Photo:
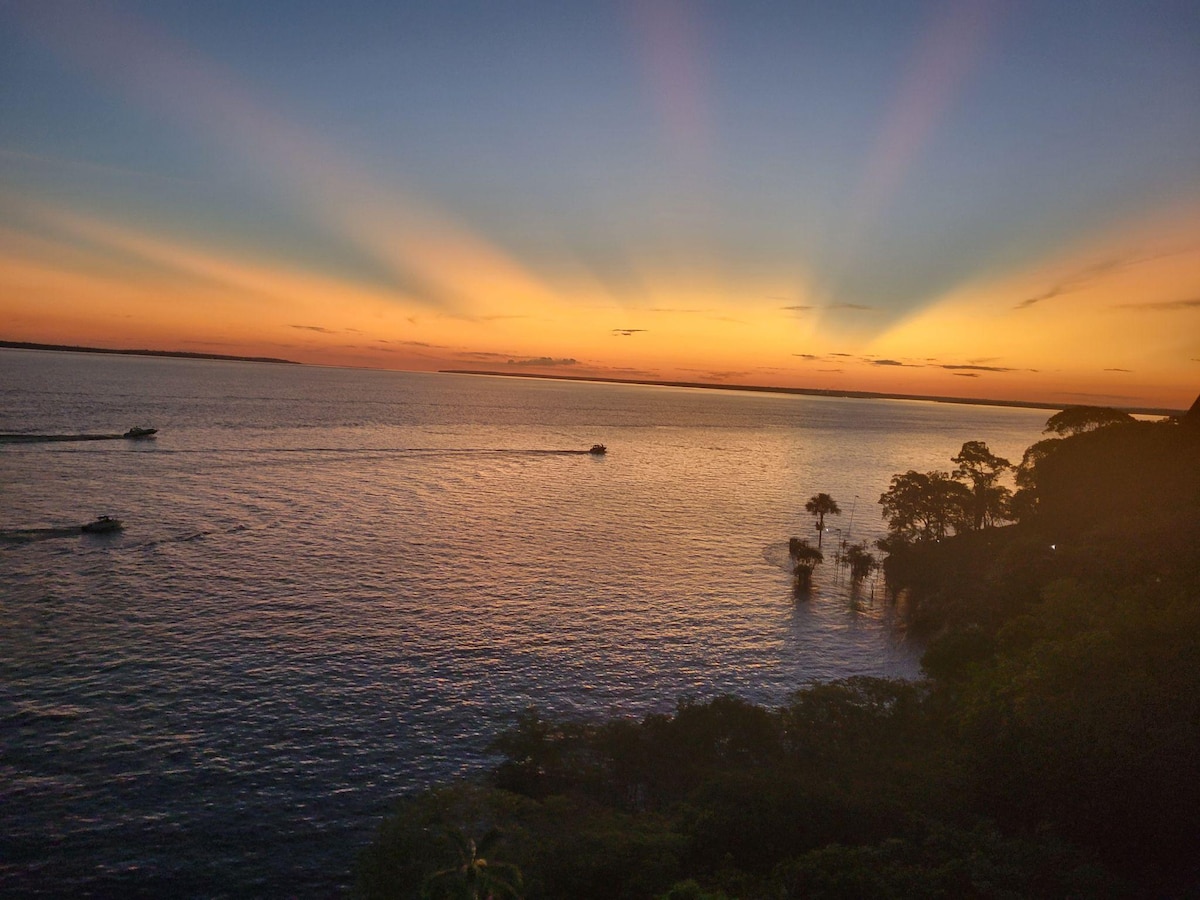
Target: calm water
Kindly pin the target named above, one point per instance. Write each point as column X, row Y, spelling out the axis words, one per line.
column 336, row 585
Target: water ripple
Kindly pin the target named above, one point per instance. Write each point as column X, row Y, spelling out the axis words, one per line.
column 222, row 699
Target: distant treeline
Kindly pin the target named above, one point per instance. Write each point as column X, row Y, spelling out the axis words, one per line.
column 1053, row 749
column 811, row 392
column 180, row 354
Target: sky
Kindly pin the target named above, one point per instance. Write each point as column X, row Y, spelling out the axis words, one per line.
column 980, row 198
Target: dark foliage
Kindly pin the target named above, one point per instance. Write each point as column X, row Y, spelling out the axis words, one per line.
column 1078, row 419
column 1054, row 750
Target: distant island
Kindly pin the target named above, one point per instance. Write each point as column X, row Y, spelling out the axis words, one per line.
column 754, row 388
column 814, row 392
column 179, row 354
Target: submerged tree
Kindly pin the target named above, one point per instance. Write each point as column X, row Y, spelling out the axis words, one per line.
column 980, row 469
column 860, row 560
column 805, row 558
column 1077, row 419
column 819, row 506
column 926, row 506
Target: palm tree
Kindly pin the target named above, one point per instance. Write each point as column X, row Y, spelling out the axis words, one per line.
column 475, row 877
column 821, row 505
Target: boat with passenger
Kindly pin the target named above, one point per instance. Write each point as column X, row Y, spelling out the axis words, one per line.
column 140, row 432
column 101, row 525
column 598, row 450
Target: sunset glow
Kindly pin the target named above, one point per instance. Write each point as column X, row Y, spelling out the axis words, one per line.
column 965, row 199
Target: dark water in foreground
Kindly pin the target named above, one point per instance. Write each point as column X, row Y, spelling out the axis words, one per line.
column 337, row 585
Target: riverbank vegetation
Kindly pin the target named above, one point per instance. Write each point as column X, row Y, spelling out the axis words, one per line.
column 1051, row 750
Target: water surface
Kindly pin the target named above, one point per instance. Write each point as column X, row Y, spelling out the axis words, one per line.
column 337, row 585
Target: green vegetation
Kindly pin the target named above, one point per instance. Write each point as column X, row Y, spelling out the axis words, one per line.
column 1051, row 750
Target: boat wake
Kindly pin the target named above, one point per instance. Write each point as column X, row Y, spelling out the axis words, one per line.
column 28, row 535
column 396, row 451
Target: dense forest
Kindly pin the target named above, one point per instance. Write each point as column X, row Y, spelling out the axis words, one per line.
column 1052, row 749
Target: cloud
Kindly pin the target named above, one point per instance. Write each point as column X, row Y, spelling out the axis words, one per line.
column 968, row 374
column 804, row 307
column 316, row 328
column 718, row 375
column 846, row 355
column 1047, row 295
column 484, row 355
column 980, row 368
column 891, row 362
column 409, row 343
column 543, row 361
column 1118, row 370
column 626, row 332
column 1162, row 306
column 668, row 309
column 468, row 317
column 1085, row 276
column 806, row 356
column 1077, row 280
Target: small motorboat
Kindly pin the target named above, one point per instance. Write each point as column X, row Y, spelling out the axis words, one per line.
column 140, row 432
column 101, row 525
column 598, row 450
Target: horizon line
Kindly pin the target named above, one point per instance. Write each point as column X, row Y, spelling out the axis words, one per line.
column 813, row 392
column 599, row 379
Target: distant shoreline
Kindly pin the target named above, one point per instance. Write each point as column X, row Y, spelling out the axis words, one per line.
column 751, row 388
column 811, row 392
column 175, row 354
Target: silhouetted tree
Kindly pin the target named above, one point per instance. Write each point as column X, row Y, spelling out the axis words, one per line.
column 1077, row 419
column 926, row 506
column 805, row 558
column 821, row 505
column 1026, row 473
column 981, row 469
column 860, row 560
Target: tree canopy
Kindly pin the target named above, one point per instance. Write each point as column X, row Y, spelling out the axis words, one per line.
column 926, row 506
column 1050, row 752
column 1078, row 419
column 980, row 469
column 860, row 560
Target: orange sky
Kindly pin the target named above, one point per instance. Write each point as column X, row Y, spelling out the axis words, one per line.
column 1114, row 320
column 237, row 224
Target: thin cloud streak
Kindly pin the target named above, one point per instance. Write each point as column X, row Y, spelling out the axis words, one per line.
column 1162, row 306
